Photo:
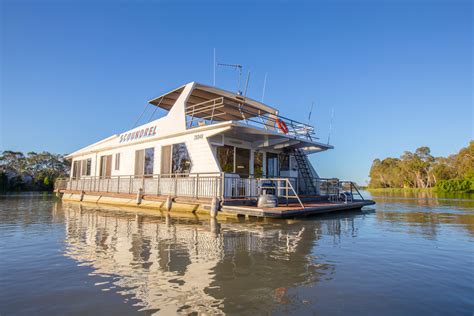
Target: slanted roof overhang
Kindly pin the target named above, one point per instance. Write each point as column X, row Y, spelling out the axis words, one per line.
column 267, row 139
column 223, row 105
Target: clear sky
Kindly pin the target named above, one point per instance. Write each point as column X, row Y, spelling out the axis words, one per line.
column 398, row 74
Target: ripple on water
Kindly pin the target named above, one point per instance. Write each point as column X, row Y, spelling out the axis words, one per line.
column 414, row 254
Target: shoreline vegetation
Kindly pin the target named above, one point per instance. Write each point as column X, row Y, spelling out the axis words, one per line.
column 31, row 172
column 421, row 172
column 411, row 172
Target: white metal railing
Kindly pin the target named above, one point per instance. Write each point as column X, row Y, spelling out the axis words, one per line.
column 209, row 185
column 337, row 190
column 185, row 185
column 211, row 111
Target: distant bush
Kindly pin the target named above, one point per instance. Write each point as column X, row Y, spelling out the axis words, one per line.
column 421, row 170
column 456, row 185
column 31, row 171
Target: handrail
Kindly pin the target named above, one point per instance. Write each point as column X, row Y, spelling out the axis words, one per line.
column 287, row 186
column 206, row 185
column 267, row 120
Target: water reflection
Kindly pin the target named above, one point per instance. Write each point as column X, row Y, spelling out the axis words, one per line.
column 176, row 265
column 367, row 262
column 425, row 213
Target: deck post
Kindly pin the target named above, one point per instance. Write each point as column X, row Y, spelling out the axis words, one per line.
column 139, row 196
column 175, row 185
column 197, row 186
column 158, row 184
column 222, row 185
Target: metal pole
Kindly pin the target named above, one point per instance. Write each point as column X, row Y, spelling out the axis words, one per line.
column 197, row 186
column 158, row 185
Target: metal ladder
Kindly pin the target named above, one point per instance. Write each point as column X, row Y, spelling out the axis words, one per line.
column 305, row 171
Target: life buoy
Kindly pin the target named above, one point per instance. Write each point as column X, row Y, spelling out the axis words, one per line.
column 282, row 126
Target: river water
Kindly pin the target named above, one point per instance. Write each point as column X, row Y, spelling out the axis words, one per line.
column 407, row 255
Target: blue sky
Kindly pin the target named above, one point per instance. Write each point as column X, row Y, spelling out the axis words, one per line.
column 398, row 74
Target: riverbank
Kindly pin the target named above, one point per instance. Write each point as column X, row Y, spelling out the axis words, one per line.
column 401, row 190
column 414, row 190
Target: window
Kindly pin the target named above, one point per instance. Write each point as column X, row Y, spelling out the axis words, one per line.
column 175, row 159
column 76, row 170
column 225, row 156
column 258, row 165
column 86, row 167
column 181, row 162
column 165, row 160
column 117, row 161
column 234, row 159
column 284, row 162
column 272, row 165
column 144, row 160
column 149, row 160
column 105, row 166
column 242, row 161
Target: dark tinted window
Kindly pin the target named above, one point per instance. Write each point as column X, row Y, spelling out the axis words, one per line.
column 181, row 162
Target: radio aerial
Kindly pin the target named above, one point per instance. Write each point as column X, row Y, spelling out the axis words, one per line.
column 236, row 67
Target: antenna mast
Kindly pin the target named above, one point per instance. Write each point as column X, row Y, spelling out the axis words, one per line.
column 264, row 86
column 237, row 67
column 247, row 84
column 214, row 68
column 330, row 125
column 310, row 112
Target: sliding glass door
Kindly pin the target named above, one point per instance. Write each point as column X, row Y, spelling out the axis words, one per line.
column 272, row 165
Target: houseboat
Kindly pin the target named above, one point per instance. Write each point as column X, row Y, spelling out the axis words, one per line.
column 214, row 151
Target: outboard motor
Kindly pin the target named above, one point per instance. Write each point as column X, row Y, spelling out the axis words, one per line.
column 346, row 197
column 267, row 197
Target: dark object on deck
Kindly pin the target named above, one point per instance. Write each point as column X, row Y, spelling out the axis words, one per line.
column 267, row 200
column 267, row 197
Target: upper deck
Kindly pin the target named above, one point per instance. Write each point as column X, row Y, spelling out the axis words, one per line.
column 206, row 105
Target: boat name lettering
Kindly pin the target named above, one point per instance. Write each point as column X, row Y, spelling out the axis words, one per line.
column 144, row 132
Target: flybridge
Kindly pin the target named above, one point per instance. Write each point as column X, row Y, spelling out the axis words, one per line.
column 206, row 105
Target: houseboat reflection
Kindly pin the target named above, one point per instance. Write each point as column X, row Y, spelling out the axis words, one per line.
column 183, row 265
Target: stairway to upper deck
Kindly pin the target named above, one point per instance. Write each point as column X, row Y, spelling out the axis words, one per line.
column 305, row 172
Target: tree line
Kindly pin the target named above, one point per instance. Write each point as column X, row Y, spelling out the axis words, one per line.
column 420, row 169
column 32, row 171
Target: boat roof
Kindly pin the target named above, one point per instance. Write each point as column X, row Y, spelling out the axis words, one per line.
column 203, row 100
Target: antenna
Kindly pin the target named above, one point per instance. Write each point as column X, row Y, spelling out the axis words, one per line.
column 264, row 86
column 237, row 67
column 310, row 112
column 330, row 125
column 247, row 84
column 214, row 66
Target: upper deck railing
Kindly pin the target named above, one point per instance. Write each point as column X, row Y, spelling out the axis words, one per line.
column 220, row 109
